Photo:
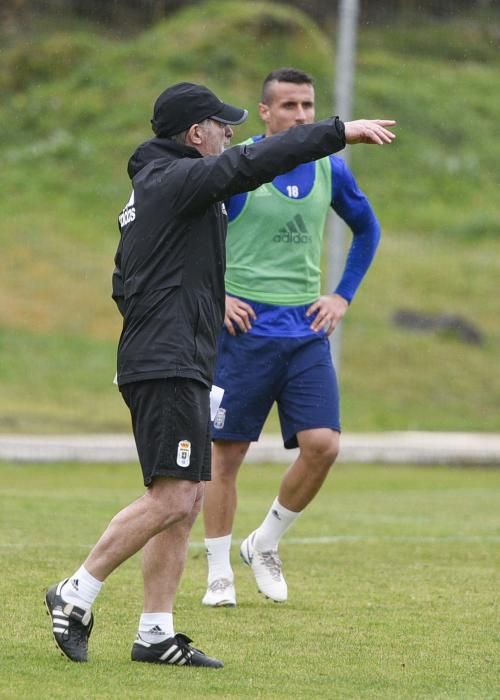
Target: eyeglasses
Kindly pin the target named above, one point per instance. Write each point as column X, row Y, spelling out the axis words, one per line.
column 221, row 124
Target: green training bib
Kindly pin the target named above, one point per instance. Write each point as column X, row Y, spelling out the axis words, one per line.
column 274, row 245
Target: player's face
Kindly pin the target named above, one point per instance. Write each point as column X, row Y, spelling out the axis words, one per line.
column 288, row 105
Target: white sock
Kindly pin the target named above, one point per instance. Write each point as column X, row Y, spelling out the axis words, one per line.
column 81, row 589
column 156, row 627
column 219, row 557
column 273, row 527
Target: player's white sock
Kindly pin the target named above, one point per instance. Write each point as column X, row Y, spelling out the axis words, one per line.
column 273, row 527
column 156, row 627
column 81, row 589
column 219, row 557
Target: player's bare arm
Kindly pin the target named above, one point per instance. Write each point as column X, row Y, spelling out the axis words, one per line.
column 240, row 313
column 373, row 131
column 330, row 309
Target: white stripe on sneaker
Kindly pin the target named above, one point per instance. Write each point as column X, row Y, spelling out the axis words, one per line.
column 174, row 659
column 63, row 622
column 167, row 654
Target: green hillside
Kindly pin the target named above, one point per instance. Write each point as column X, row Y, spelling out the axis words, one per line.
column 74, row 104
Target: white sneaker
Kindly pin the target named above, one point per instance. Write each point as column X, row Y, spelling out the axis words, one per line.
column 266, row 567
column 220, row 594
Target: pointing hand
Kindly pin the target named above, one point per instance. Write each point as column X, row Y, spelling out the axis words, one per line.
column 369, row 131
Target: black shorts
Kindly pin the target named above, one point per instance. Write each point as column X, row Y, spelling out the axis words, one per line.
column 171, row 423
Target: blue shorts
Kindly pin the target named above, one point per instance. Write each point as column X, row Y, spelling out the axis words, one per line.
column 255, row 371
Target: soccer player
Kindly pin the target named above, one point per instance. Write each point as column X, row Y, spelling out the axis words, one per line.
column 274, row 347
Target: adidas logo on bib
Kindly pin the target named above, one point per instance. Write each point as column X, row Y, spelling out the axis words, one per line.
column 294, row 231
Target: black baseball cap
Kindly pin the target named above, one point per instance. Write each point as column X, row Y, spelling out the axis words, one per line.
column 184, row 104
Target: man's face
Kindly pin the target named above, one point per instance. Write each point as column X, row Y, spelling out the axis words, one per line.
column 287, row 105
column 215, row 137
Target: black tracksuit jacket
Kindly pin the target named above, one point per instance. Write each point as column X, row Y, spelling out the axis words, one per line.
column 169, row 277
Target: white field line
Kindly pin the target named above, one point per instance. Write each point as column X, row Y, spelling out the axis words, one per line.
column 412, row 447
column 324, row 540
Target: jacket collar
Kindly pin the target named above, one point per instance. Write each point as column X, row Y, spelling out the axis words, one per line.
column 157, row 148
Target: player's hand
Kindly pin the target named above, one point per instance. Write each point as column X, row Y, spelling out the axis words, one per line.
column 369, row 131
column 240, row 313
column 330, row 310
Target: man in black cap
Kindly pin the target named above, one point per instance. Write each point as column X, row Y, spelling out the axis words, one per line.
column 169, row 287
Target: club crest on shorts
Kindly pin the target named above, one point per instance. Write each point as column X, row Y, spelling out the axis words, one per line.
column 184, row 453
column 220, row 418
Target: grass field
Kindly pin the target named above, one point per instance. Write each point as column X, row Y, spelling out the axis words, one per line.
column 392, row 573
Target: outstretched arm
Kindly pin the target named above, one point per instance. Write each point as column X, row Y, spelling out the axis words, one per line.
column 243, row 168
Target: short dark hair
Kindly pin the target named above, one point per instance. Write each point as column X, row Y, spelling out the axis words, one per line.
column 284, row 75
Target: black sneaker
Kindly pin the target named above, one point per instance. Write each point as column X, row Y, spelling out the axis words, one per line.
column 71, row 625
column 174, row 650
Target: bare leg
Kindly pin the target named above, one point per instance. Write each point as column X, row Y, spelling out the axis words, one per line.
column 303, row 479
column 220, row 500
column 164, row 559
column 166, row 502
column 300, row 484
